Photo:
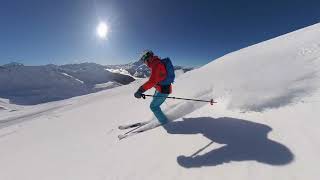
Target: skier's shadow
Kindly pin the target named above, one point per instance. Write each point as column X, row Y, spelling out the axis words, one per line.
column 244, row 141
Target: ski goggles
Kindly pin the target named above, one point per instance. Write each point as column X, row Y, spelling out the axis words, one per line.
column 145, row 57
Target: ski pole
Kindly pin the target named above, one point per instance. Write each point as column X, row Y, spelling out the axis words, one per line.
column 196, row 153
column 210, row 101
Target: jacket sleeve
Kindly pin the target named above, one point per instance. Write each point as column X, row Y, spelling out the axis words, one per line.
column 153, row 80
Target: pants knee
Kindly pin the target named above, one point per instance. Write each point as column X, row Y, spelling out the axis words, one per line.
column 154, row 108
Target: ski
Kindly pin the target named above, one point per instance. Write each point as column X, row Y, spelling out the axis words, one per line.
column 123, row 127
column 122, row 136
column 134, row 126
column 139, row 130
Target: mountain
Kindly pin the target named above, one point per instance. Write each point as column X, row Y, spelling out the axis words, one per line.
column 138, row 69
column 12, row 65
column 92, row 74
column 38, row 84
column 265, row 124
column 29, row 85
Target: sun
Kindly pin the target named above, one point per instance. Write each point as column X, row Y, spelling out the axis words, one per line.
column 102, row 30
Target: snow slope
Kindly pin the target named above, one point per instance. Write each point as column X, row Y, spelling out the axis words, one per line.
column 264, row 126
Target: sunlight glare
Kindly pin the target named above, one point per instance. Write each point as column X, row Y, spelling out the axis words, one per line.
column 102, row 30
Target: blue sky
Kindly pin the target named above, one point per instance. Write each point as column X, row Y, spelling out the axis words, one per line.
column 192, row 33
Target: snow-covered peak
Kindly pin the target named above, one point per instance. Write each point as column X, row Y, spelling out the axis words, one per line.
column 13, row 64
column 39, row 84
column 138, row 69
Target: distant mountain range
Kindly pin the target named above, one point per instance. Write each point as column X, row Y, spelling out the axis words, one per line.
column 138, row 69
column 29, row 85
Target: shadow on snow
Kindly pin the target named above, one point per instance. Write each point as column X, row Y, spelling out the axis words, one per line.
column 244, row 141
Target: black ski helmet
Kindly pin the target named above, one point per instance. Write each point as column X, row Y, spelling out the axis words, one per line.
column 146, row 55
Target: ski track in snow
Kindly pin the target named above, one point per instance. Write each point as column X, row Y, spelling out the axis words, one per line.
column 27, row 116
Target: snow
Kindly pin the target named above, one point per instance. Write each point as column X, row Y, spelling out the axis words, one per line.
column 120, row 71
column 264, row 126
column 73, row 78
column 178, row 72
column 2, row 100
column 134, row 69
column 107, row 85
column 6, row 106
column 31, row 85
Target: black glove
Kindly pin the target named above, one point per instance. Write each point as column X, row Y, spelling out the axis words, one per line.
column 139, row 94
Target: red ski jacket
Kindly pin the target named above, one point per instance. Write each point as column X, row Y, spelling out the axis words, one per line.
column 158, row 73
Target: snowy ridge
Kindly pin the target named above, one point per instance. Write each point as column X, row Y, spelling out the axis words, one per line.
column 107, row 85
column 73, row 77
column 30, row 85
column 138, row 69
column 5, row 106
column 121, row 71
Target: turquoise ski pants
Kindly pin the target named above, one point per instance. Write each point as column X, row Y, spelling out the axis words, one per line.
column 155, row 106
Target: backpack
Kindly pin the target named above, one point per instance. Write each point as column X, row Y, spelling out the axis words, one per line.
column 170, row 72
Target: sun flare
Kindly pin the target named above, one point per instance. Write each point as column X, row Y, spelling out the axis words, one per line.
column 102, row 30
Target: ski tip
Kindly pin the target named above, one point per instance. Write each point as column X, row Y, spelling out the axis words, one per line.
column 121, row 127
column 121, row 136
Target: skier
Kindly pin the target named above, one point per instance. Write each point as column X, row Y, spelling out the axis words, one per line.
column 158, row 80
